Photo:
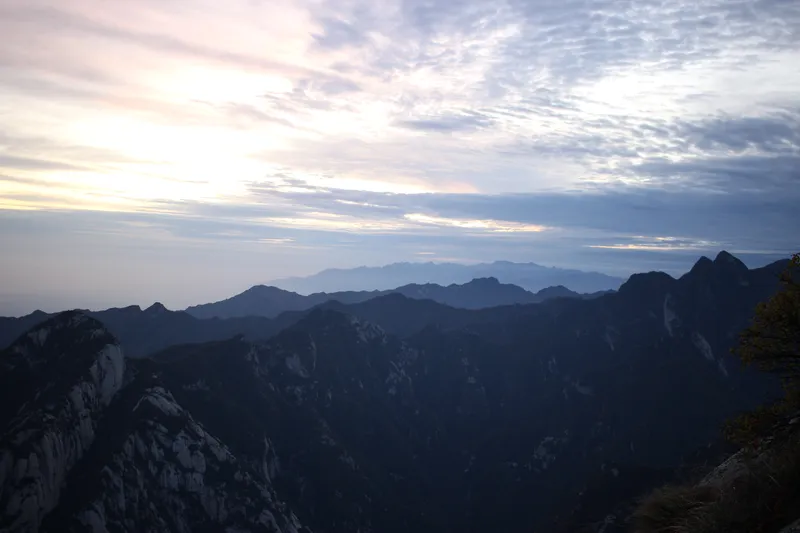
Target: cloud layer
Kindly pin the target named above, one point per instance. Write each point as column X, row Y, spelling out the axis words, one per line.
column 305, row 134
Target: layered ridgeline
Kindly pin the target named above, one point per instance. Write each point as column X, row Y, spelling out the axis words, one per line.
column 529, row 276
column 261, row 311
column 506, row 421
column 267, row 301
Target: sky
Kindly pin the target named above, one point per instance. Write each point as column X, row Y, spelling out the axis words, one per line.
column 184, row 150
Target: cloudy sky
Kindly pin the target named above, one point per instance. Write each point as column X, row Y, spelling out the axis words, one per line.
column 182, row 150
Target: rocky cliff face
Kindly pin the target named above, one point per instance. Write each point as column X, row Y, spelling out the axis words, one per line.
column 157, row 469
column 87, row 446
column 61, row 376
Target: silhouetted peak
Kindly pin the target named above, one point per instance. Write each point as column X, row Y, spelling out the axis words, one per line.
column 703, row 262
column 724, row 272
column 730, row 262
column 724, row 266
column 724, row 256
column 259, row 290
column 156, row 308
column 703, row 265
column 646, row 283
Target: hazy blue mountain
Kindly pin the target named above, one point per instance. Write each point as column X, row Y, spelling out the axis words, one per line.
column 259, row 300
column 529, row 276
column 266, row 301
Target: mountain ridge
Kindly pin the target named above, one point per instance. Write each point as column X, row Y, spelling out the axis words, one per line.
column 478, row 293
column 496, row 419
column 143, row 333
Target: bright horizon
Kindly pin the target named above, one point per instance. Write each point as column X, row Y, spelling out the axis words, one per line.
column 181, row 152
column 20, row 305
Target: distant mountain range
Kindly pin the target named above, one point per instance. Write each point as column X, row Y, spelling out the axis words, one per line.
column 260, row 312
column 143, row 332
column 529, row 276
column 517, row 418
column 267, row 301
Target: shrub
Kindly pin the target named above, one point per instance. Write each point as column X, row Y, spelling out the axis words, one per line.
column 749, row 428
column 772, row 342
column 764, row 498
column 671, row 509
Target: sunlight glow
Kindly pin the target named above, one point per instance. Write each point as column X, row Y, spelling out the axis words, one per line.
column 223, row 85
column 499, row 226
column 332, row 223
column 363, row 117
column 314, row 183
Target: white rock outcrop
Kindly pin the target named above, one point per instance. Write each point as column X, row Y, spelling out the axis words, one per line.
column 48, row 440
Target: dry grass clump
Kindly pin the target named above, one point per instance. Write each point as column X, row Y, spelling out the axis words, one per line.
column 671, row 509
column 762, row 499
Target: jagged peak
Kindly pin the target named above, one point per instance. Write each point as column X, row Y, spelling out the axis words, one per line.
column 701, row 267
column 703, row 262
column 728, row 260
column 724, row 263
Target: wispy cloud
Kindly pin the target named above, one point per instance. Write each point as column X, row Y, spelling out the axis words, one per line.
column 389, row 129
column 501, row 226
